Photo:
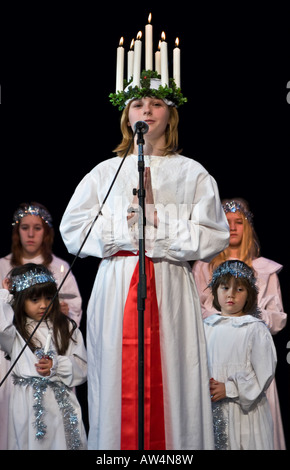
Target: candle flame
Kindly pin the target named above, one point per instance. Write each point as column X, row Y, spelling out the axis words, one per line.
column 121, row 41
column 159, row 45
column 149, row 18
column 139, row 35
column 132, row 44
column 62, row 268
column 177, row 42
column 163, row 36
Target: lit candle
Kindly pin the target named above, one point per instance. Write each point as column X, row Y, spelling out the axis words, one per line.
column 158, row 59
column 149, row 45
column 61, row 272
column 120, row 66
column 164, row 61
column 137, row 60
column 47, row 344
column 176, row 63
column 130, row 61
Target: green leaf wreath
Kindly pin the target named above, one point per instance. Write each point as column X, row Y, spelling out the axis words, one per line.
column 171, row 92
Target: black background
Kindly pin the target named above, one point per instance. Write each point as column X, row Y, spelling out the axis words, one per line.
column 58, row 68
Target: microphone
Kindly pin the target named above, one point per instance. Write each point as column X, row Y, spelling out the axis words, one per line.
column 141, row 126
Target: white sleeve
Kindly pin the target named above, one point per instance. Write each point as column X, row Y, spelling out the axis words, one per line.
column 71, row 369
column 7, row 329
column 199, row 232
column 110, row 232
column 246, row 387
column 271, row 305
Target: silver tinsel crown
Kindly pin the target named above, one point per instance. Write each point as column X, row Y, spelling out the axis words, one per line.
column 234, row 206
column 30, row 278
column 32, row 210
column 236, row 268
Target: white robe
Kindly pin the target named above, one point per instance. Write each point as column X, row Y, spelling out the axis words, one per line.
column 71, row 295
column 69, row 370
column 241, row 354
column 192, row 225
column 272, row 312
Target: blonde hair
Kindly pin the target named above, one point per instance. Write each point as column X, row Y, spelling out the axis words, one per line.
column 250, row 246
column 171, row 133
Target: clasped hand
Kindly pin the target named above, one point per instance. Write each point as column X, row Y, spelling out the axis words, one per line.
column 43, row 366
column 217, row 390
column 151, row 213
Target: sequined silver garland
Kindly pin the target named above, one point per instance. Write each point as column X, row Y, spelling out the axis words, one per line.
column 234, row 206
column 30, row 278
column 235, row 268
column 70, row 419
column 32, row 210
column 220, row 426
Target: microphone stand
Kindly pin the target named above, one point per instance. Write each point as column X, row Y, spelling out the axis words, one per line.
column 142, row 289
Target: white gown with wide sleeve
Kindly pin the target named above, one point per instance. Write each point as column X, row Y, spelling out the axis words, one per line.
column 67, row 372
column 69, row 293
column 272, row 312
column 241, row 354
column 192, row 225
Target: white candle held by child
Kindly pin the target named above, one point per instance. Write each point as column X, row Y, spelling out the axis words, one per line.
column 47, row 344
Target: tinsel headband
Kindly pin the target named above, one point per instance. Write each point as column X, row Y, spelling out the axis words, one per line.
column 32, row 209
column 21, row 282
column 235, row 268
column 234, row 206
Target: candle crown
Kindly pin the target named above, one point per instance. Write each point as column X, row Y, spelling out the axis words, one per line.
column 148, row 83
column 150, row 86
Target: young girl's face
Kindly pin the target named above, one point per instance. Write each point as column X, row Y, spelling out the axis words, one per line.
column 236, row 225
column 153, row 111
column 36, row 307
column 232, row 297
column 31, row 232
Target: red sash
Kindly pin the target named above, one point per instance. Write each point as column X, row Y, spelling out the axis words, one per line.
column 154, row 433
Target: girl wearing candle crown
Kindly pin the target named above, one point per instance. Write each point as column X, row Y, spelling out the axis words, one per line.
column 245, row 246
column 44, row 413
column 184, row 221
column 242, row 361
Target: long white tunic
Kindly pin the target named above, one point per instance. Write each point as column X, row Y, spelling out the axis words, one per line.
column 272, row 312
column 69, row 370
column 192, row 225
column 241, row 354
column 69, row 293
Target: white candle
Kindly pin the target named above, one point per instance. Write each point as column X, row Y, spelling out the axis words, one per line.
column 164, row 61
column 137, row 60
column 120, row 67
column 47, row 344
column 158, row 60
column 61, row 273
column 149, row 45
column 176, row 63
column 130, row 61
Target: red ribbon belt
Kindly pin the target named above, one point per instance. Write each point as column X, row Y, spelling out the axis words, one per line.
column 154, row 432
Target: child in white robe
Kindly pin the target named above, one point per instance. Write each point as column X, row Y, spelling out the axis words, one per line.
column 44, row 413
column 244, row 245
column 32, row 241
column 242, row 361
